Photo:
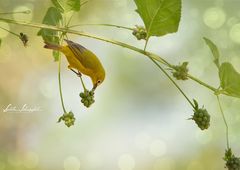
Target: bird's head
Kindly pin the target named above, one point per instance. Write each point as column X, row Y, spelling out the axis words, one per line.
column 98, row 78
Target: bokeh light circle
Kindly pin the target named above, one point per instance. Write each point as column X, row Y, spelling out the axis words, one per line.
column 23, row 17
column 126, row 162
column 71, row 163
column 158, row 148
column 214, row 17
column 232, row 21
column 235, row 33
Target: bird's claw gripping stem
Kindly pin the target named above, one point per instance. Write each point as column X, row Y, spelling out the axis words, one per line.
column 77, row 73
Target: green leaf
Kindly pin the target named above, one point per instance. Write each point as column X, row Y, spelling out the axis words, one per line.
column 230, row 79
column 160, row 17
column 67, row 5
column 56, row 55
column 214, row 51
column 52, row 17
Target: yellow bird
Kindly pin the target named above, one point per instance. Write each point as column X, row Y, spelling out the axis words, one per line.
column 81, row 59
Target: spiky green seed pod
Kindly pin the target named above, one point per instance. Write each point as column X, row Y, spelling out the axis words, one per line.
column 87, row 98
column 232, row 162
column 68, row 119
column 140, row 33
column 201, row 118
column 181, row 71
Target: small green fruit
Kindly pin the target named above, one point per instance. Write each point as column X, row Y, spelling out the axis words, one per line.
column 201, row 117
column 68, row 119
column 140, row 33
column 232, row 162
column 181, row 71
column 87, row 98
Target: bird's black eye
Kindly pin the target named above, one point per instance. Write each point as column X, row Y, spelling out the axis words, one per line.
column 99, row 81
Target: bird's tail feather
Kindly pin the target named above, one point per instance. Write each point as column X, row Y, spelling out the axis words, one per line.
column 52, row 46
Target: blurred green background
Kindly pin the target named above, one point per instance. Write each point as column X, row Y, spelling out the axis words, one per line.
column 139, row 120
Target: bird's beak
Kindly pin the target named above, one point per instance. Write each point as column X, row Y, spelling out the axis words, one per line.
column 94, row 87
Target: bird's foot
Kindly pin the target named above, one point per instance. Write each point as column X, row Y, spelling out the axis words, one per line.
column 77, row 73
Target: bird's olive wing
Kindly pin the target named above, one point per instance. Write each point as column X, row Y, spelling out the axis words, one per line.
column 86, row 57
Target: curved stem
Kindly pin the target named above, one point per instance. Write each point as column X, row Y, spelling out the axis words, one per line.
column 84, row 87
column 107, row 25
column 70, row 19
column 83, row 3
column 151, row 55
column 170, row 78
column 225, row 121
column 146, row 43
column 10, row 32
column 36, row 25
column 59, row 73
column 60, row 84
column 17, row 12
column 202, row 83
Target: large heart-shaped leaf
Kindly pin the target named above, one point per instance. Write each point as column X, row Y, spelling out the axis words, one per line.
column 214, row 51
column 67, row 5
column 159, row 16
column 230, row 79
column 52, row 17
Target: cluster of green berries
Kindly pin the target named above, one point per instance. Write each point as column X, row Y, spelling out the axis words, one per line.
column 201, row 117
column 140, row 33
column 181, row 71
column 68, row 119
column 232, row 162
column 87, row 98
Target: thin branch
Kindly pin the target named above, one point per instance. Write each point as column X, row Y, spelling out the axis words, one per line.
column 107, row 25
column 84, row 87
column 60, row 84
column 202, row 83
column 151, row 55
column 170, row 78
column 35, row 25
column 225, row 121
column 83, row 3
column 59, row 75
column 146, row 43
column 13, row 33
column 17, row 12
